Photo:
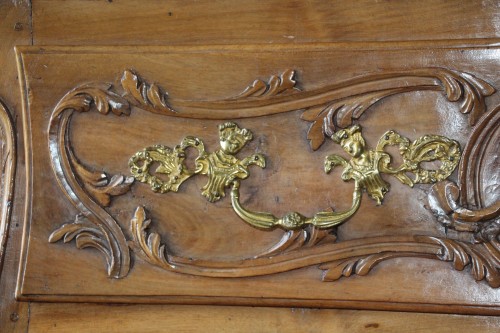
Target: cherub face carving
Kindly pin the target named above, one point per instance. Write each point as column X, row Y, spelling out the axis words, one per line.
column 232, row 138
column 350, row 140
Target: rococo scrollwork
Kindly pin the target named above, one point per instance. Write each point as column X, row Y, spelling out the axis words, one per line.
column 366, row 166
column 307, row 241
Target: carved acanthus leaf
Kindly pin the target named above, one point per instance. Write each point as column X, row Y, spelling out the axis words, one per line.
column 298, row 239
column 277, row 85
column 361, row 265
column 340, row 113
column 99, row 184
column 145, row 95
column 82, row 98
column 86, row 234
column 483, row 266
column 149, row 247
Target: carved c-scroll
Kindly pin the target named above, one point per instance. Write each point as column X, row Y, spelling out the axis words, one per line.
column 461, row 207
column 94, row 227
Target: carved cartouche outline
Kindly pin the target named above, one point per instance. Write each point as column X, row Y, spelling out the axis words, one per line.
column 8, row 155
column 458, row 87
column 461, row 254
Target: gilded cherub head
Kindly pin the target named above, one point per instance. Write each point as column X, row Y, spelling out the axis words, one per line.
column 232, row 138
column 351, row 140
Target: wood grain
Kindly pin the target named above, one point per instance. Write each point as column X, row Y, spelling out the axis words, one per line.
column 124, row 22
column 177, row 318
column 203, row 231
column 15, row 29
column 128, row 22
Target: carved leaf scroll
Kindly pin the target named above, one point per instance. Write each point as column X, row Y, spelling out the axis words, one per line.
column 85, row 233
column 149, row 247
column 361, row 265
column 335, row 260
column 327, row 108
column 148, row 96
column 105, row 234
column 100, row 185
column 483, row 266
column 282, row 84
column 297, row 239
column 334, row 105
column 340, row 112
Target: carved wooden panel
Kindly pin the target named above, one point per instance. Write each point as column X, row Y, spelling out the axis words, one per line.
column 318, row 175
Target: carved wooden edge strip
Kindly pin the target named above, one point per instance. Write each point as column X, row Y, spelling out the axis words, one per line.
column 344, row 47
column 8, row 155
column 336, row 260
column 236, row 300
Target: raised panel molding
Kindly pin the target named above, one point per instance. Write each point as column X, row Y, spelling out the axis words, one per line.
column 267, row 226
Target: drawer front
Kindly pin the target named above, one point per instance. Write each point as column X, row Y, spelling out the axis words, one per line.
column 320, row 175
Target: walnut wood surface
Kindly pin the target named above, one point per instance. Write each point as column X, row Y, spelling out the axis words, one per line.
column 228, row 22
column 15, row 29
column 281, row 137
column 91, row 23
column 92, row 318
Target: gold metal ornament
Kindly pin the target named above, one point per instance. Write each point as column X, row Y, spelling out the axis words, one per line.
column 222, row 166
column 293, row 220
column 365, row 168
column 366, row 165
